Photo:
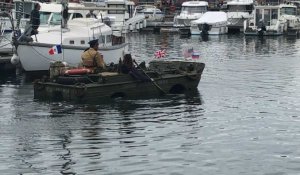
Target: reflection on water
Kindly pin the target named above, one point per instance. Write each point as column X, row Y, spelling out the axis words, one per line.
column 243, row 119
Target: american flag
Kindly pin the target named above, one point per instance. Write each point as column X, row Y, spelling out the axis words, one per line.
column 195, row 55
column 191, row 53
column 188, row 52
column 160, row 53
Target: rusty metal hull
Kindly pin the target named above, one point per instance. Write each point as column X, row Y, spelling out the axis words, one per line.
column 92, row 88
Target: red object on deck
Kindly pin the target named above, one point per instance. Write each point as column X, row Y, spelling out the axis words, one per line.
column 78, row 71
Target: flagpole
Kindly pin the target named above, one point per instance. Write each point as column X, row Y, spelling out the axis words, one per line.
column 61, row 24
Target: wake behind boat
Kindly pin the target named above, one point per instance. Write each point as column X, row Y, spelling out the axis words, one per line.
column 34, row 55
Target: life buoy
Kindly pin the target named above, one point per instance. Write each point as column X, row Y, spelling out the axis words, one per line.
column 78, row 71
column 173, row 8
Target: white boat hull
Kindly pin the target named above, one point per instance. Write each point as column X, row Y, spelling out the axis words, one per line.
column 37, row 58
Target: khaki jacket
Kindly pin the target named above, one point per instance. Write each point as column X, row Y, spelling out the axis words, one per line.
column 92, row 59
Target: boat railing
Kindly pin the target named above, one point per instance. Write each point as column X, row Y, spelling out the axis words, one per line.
column 4, row 6
column 6, row 21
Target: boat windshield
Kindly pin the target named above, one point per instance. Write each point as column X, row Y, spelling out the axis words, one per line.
column 288, row 11
column 194, row 9
column 44, row 17
column 269, row 16
column 55, row 18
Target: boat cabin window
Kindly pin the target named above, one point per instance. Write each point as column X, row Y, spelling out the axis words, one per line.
column 288, row 11
column 258, row 15
column 267, row 16
column 274, row 14
column 116, row 6
column 44, row 17
column 77, row 15
column 72, row 42
column 56, row 19
column 194, row 9
column 102, row 39
column 82, row 42
column 108, row 39
column 130, row 10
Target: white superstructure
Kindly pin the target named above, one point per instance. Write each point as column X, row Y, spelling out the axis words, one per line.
column 190, row 10
column 237, row 12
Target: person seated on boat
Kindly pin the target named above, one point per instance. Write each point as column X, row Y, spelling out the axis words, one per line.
column 35, row 19
column 91, row 14
column 128, row 67
column 93, row 59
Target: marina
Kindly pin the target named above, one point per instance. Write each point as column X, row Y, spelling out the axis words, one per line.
column 238, row 115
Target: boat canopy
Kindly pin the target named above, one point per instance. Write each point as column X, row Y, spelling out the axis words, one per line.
column 211, row 18
column 240, row 2
column 194, row 3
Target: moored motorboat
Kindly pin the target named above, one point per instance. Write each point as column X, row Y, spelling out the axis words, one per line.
column 211, row 23
column 237, row 12
column 273, row 20
column 163, row 77
column 34, row 55
column 190, row 10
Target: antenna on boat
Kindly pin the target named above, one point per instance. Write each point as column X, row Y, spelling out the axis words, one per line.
column 63, row 24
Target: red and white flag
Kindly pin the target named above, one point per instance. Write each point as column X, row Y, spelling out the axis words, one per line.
column 195, row 55
column 55, row 50
column 160, row 53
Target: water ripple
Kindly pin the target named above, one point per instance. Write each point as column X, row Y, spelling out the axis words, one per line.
column 243, row 119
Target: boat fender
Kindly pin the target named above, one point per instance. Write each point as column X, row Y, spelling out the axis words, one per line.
column 15, row 59
column 78, row 71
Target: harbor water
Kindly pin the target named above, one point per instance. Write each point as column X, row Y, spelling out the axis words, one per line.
column 243, row 119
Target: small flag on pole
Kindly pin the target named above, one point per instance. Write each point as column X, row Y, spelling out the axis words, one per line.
column 160, row 53
column 55, row 50
column 188, row 53
column 195, row 55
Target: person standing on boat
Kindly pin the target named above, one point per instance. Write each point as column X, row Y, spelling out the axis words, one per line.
column 65, row 16
column 91, row 58
column 35, row 19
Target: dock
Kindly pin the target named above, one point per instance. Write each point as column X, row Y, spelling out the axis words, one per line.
column 162, row 26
